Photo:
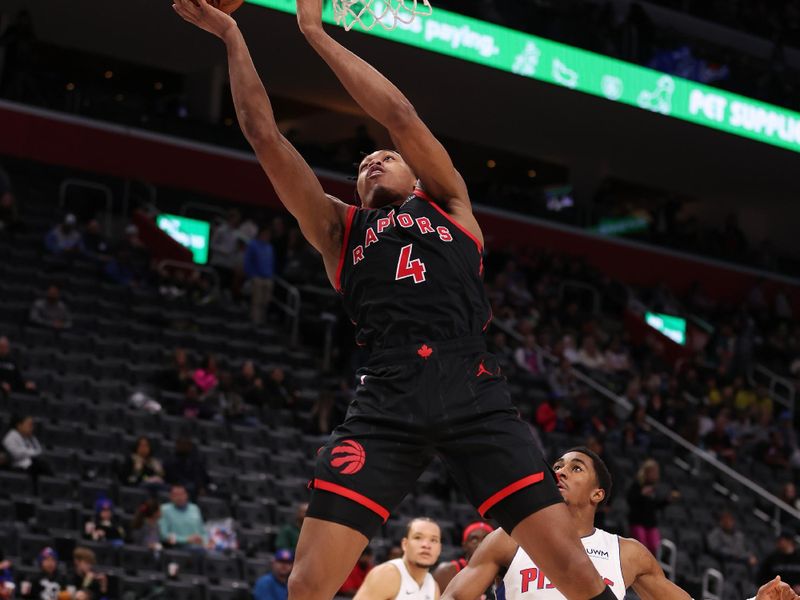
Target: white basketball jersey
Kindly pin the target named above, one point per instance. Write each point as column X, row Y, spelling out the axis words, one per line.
column 525, row 581
column 409, row 590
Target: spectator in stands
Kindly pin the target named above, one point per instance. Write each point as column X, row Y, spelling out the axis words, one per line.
column 259, row 267
column 274, row 586
column 205, row 377
column 181, row 523
column 145, row 529
column 727, row 543
column 280, row 392
column 141, row 467
column 84, row 578
column 229, row 404
column 617, row 358
column 104, row 526
column 187, row 468
column 7, row 583
column 783, row 561
column 529, row 358
column 94, row 242
column 24, row 449
column 719, row 441
column 774, row 452
column 589, row 355
column 48, row 583
column 562, row 380
column 251, row 386
column 64, row 239
column 50, row 311
column 9, row 214
column 788, row 494
column 11, row 378
column 353, row 582
column 178, row 376
column 290, row 532
column 223, row 247
column 644, row 502
column 195, row 405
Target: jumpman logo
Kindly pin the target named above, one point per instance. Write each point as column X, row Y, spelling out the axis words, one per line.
column 482, row 370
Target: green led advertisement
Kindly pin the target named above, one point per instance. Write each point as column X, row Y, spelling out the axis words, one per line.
column 189, row 233
column 526, row 55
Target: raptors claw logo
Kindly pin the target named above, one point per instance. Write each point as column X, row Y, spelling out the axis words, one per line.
column 352, row 457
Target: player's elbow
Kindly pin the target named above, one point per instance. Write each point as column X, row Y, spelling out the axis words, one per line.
column 403, row 116
column 260, row 133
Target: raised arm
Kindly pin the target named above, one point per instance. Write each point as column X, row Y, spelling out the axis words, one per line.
column 386, row 104
column 642, row 572
column 493, row 556
column 320, row 217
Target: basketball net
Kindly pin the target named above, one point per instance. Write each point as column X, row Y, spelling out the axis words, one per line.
column 386, row 13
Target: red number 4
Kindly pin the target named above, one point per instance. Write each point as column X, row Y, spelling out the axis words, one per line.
column 409, row 268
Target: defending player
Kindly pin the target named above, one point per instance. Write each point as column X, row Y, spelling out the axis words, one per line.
column 584, row 482
column 471, row 538
column 409, row 267
column 409, row 577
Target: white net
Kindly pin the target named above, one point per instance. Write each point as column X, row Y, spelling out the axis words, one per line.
column 389, row 14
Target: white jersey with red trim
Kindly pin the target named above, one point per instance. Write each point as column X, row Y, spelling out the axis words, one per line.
column 411, row 273
column 525, row 581
column 409, row 588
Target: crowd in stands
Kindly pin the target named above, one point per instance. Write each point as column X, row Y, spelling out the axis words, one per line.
column 546, row 338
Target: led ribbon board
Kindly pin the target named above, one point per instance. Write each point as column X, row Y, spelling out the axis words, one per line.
column 672, row 327
column 526, row 55
column 189, row 233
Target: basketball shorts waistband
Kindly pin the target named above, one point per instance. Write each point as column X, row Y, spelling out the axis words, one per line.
column 424, row 350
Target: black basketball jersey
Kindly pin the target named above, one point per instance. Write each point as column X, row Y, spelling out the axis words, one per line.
column 409, row 274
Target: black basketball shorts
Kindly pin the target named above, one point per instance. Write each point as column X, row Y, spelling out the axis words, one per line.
column 412, row 403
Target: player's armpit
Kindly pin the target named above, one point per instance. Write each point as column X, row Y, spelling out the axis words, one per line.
column 494, row 554
column 649, row 581
column 381, row 583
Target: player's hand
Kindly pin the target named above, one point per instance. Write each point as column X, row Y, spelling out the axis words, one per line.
column 309, row 16
column 776, row 590
column 201, row 14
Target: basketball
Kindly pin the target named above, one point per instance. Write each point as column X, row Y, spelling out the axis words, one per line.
column 226, row 6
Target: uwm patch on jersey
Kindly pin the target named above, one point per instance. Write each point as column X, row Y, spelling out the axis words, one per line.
column 410, row 274
column 524, row 580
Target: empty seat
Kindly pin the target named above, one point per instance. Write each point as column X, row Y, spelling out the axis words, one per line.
column 188, row 562
column 213, row 508
column 133, row 559
column 30, row 544
column 219, row 567
column 180, row 590
column 60, row 515
column 255, row 486
column 12, row 484
column 251, row 514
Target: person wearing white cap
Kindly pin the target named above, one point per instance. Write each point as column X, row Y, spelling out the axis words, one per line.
column 64, row 238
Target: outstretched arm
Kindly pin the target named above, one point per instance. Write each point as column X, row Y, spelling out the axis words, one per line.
column 493, row 556
column 386, row 104
column 320, row 217
column 642, row 572
column 776, row 590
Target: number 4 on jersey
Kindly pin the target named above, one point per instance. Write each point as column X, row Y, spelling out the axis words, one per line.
column 409, row 268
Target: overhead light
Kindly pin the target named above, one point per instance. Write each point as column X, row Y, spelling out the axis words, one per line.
column 158, row 86
column 108, row 74
column 532, row 173
column 491, row 163
column 70, row 87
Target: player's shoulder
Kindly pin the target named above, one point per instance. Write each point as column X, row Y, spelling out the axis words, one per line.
column 446, row 568
column 384, row 580
column 635, row 556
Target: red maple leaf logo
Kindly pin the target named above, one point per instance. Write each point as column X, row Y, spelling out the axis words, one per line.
column 424, row 351
column 352, row 459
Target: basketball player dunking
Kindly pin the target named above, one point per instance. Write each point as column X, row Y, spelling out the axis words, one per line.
column 408, row 264
column 408, row 577
column 585, row 483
